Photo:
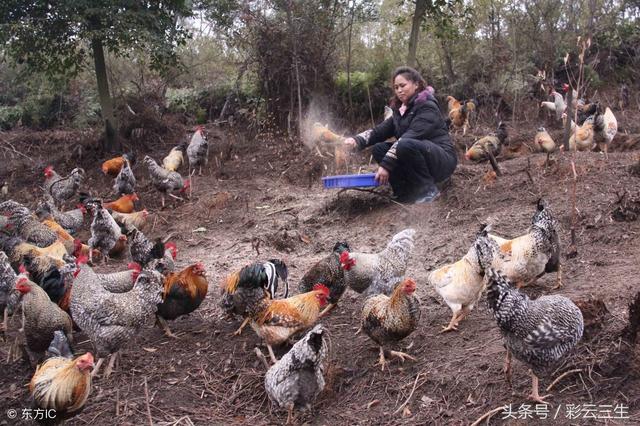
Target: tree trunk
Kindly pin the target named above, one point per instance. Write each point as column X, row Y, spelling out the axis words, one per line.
column 106, row 103
column 349, row 61
column 448, row 61
column 421, row 8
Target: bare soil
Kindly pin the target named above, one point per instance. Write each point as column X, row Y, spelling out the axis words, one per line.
column 262, row 198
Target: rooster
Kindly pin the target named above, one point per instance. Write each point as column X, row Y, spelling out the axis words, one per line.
column 165, row 181
column 123, row 204
column 459, row 113
column 330, row 272
column 539, row 332
column 42, row 318
column 524, row 259
column 62, row 188
column 125, row 182
column 244, row 289
column 62, row 383
column 488, row 144
column 111, row 319
column 375, row 273
column 390, row 319
column 460, row 284
column 198, row 150
column 113, row 166
column 105, row 232
column 545, row 143
column 297, row 379
column 175, row 158
column 275, row 321
column 183, row 293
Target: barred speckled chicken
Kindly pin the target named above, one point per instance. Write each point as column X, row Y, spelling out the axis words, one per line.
column 539, row 332
column 70, row 220
column 62, row 188
column 330, row 272
column 524, row 259
column 198, row 150
column 8, row 294
column 105, row 232
column 142, row 249
column 42, row 318
column 297, row 379
column 25, row 225
column 111, row 319
column 165, row 181
column 378, row 273
column 243, row 290
column 125, row 182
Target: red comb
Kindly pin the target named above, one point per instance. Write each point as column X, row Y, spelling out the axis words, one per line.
column 22, row 269
column 82, row 259
column 321, row 287
column 135, row 266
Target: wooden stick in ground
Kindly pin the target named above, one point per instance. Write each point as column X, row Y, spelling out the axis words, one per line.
column 415, row 383
column 146, row 397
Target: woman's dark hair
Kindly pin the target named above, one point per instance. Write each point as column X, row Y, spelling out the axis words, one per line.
column 410, row 74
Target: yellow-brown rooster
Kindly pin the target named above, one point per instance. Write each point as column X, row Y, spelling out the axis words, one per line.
column 278, row 320
column 390, row 319
column 61, row 383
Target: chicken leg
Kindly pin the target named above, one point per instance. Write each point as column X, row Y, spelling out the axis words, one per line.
column 111, row 365
column 97, row 367
column 455, row 319
column 290, row 414
column 507, row 367
column 271, row 354
column 382, row 360
column 327, row 309
column 242, row 326
column 558, row 278
column 165, row 327
column 534, row 395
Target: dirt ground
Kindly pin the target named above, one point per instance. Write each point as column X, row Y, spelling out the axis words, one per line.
column 262, row 199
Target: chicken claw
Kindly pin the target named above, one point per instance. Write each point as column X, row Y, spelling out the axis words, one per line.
column 402, row 355
column 450, row 327
column 381, row 360
column 242, row 326
column 534, row 395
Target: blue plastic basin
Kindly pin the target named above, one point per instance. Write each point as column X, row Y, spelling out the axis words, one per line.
column 350, row 181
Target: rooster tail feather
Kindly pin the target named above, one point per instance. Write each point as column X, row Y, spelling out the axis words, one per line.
column 60, row 345
column 230, row 284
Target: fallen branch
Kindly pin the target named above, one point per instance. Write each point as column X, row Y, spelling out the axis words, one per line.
column 489, row 414
column 415, row 383
column 146, row 397
column 562, row 376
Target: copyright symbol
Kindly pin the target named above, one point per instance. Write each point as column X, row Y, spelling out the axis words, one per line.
column 12, row 414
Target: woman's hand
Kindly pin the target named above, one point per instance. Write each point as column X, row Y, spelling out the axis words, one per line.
column 382, row 176
column 351, row 143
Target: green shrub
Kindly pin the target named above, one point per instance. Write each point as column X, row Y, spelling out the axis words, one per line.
column 9, row 116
